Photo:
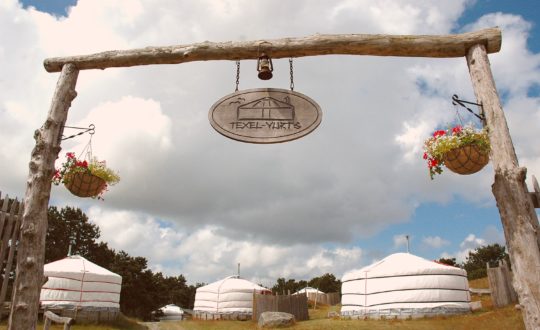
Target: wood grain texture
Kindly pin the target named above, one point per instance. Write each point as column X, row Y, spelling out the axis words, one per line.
column 518, row 217
column 455, row 45
column 31, row 249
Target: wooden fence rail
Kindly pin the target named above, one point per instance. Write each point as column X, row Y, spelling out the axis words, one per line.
column 10, row 224
column 292, row 304
column 500, row 283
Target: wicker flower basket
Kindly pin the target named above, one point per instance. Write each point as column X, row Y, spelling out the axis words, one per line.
column 466, row 160
column 85, row 184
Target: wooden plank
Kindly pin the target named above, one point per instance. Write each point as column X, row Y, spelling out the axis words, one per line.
column 31, row 249
column 455, row 45
column 11, row 254
column 479, row 291
column 3, row 214
column 10, row 221
column 50, row 316
column 518, row 216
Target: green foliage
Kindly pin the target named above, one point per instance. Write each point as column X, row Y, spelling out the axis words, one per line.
column 100, row 170
column 475, row 265
column 449, row 261
column 326, row 283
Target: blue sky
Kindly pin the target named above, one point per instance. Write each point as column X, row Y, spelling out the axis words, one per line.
column 399, row 200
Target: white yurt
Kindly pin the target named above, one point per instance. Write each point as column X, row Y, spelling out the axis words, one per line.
column 403, row 284
column 231, row 297
column 82, row 290
column 309, row 290
column 170, row 312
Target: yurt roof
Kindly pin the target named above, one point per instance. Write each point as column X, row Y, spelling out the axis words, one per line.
column 401, row 264
column 79, row 268
column 171, row 309
column 231, row 284
column 309, row 289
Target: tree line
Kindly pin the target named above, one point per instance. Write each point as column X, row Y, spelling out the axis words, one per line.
column 476, row 262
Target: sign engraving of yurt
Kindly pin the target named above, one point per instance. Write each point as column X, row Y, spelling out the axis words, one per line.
column 265, row 115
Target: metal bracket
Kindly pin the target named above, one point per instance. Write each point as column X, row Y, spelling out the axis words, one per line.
column 90, row 130
column 456, row 101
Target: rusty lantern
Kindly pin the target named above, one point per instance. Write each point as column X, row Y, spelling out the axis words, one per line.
column 264, row 67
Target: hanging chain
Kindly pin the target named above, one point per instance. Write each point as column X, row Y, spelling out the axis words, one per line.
column 237, row 75
column 291, row 69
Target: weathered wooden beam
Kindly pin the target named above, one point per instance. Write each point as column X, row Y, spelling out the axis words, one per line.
column 518, row 216
column 31, row 249
column 321, row 44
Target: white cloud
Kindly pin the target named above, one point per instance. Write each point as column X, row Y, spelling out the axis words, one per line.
column 435, row 242
column 206, row 255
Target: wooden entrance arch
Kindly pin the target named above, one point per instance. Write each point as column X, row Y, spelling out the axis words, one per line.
column 517, row 212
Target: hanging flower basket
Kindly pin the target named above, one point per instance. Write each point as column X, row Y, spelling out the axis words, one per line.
column 463, row 150
column 465, row 160
column 85, row 184
column 85, row 179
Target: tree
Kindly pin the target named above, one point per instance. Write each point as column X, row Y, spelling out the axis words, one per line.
column 475, row 265
column 283, row 286
column 326, row 283
column 69, row 226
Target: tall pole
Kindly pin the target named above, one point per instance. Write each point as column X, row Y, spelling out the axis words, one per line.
column 518, row 216
column 31, row 249
column 407, row 237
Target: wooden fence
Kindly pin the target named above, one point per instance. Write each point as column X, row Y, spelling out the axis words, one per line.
column 500, row 283
column 10, row 224
column 332, row 298
column 292, row 304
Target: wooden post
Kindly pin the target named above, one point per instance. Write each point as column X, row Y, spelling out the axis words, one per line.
column 518, row 216
column 31, row 252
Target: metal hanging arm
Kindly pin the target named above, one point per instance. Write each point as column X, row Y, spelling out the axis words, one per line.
column 91, row 129
column 457, row 101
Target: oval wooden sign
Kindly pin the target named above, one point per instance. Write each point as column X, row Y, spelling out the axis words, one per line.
column 265, row 115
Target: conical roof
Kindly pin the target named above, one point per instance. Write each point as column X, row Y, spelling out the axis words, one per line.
column 79, row 268
column 231, row 284
column 402, row 264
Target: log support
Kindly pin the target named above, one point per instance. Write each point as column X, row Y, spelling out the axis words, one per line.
column 518, row 216
column 31, row 253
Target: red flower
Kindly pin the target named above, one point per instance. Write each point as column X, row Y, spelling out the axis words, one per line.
column 432, row 163
column 456, row 130
column 439, row 133
column 70, row 155
column 425, row 155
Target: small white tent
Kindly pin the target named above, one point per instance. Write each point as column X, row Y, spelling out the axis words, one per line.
column 229, row 295
column 169, row 313
column 404, row 284
column 76, row 284
column 309, row 290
